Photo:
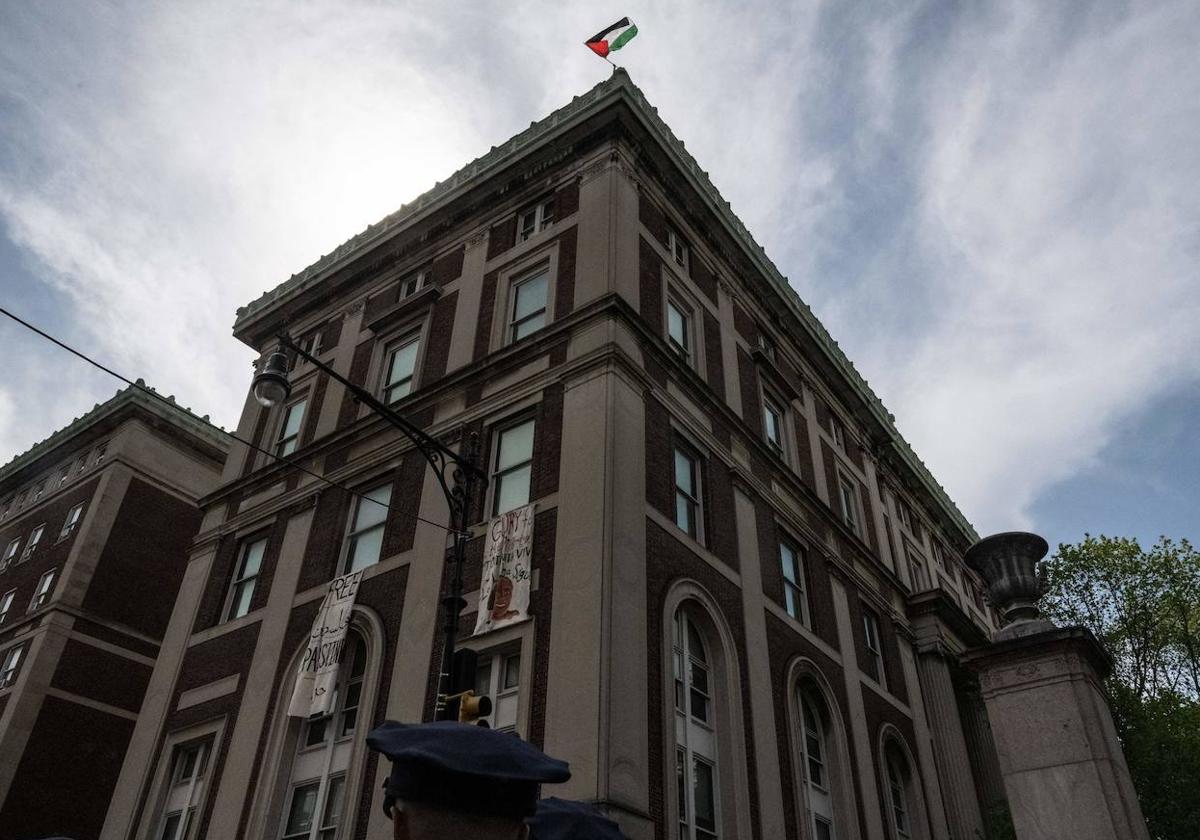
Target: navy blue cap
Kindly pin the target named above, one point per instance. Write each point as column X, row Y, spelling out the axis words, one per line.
column 566, row 819
column 462, row 767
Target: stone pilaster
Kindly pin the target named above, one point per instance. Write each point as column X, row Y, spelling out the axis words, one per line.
column 985, row 766
column 950, row 747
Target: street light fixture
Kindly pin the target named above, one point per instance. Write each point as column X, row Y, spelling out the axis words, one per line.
column 456, row 473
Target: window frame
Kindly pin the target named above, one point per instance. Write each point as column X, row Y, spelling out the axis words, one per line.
column 687, row 315
column 392, row 346
column 352, row 533
column 11, row 551
column 798, row 588
column 10, row 664
column 511, row 322
column 677, row 249
column 6, row 602
column 772, row 405
column 837, row 432
column 852, row 515
column 872, row 627
column 70, row 524
column 496, row 475
column 32, row 542
column 282, row 438
column 691, row 453
column 417, row 278
column 43, row 593
column 545, row 215
column 497, row 660
column 239, row 578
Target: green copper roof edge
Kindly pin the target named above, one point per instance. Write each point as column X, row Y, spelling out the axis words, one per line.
column 620, row 82
column 181, row 416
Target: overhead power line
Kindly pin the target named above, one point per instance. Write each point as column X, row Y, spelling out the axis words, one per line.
column 141, row 386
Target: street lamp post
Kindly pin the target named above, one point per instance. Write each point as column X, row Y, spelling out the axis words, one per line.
column 456, row 472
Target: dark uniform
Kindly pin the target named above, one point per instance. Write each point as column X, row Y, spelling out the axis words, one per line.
column 566, row 819
column 462, row 769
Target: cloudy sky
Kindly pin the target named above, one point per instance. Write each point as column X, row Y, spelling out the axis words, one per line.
column 992, row 206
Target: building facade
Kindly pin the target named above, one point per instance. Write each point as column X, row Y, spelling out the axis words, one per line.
column 95, row 526
column 747, row 597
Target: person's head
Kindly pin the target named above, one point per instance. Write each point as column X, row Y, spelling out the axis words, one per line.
column 452, row 780
column 419, row 821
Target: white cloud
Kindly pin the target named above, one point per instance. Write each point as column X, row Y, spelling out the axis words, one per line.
column 995, row 214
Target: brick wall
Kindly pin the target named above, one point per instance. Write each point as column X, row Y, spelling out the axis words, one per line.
column 141, row 566
column 67, row 773
column 714, row 363
column 102, row 676
column 650, row 286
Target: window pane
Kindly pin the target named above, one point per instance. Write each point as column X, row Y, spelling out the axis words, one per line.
column 512, row 671
column 824, row 830
column 333, row 802
column 314, row 732
column 300, row 815
column 369, row 513
column 791, row 601
column 706, row 811
column 772, row 421
column 170, row 826
column 530, row 296
column 291, row 425
column 483, row 677
column 683, row 513
column 677, row 326
column 685, row 478
column 404, row 360
column 364, row 550
column 515, row 446
column 512, row 489
column 680, row 785
column 252, row 558
column 788, row 559
column 529, row 326
column 240, row 603
column 695, row 643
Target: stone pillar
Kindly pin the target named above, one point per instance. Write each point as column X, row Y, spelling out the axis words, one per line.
column 1063, row 768
column 985, row 766
column 950, row 747
column 1062, row 765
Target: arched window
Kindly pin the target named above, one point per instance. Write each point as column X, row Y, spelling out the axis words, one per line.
column 696, row 760
column 902, row 792
column 824, row 788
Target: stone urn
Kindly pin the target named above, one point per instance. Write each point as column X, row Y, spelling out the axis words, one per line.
column 1010, row 565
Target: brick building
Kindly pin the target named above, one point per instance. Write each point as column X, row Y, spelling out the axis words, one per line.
column 747, row 594
column 95, row 524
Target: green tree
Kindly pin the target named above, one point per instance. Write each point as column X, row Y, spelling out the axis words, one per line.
column 1144, row 606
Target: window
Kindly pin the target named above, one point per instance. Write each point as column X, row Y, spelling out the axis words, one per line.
column 21, row 499
column 171, row 825
column 31, row 544
column 344, row 720
column 289, row 428
column 72, row 520
column 848, row 497
column 677, row 248
column 412, row 283
column 512, row 467
column 766, row 345
column 6, row 604
column 191, row 761
column 39, row 491
column 687, row 491
column 527, row 313
column 316, row 801
column 80, row 464
column 535, row 219
column 817, row 761
column 773, row 425
column 310, row 344
column 365, row 541
column 41, row 595
column 400, row 366
column 874, row 661
column 245, row 576
column 101, row 451
column 695, row 738
column 916, row 570
column 679, row 330
column 64, row 475
column 5, row 508
column 10, row 552
column 837, row 432
column 904, row 512
column 795, row 600
column 12, row 664
column 898, row 791
column 498, row 675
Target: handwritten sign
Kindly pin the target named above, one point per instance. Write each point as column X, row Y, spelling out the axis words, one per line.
column 318, row 672
column 507, row 569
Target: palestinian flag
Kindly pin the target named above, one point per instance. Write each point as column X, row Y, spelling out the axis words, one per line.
column 602, row 45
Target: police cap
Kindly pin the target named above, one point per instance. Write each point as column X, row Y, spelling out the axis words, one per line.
column 566, row 819
column 464, row 768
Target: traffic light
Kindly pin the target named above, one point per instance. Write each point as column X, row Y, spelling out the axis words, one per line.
column 463, row 705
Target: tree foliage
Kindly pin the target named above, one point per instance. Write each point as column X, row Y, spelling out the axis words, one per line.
column 1144, row 606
